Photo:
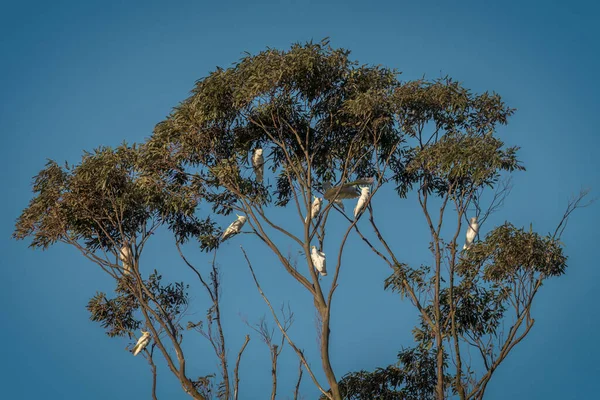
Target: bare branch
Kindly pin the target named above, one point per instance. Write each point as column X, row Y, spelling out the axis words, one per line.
column 574, row 203
column 236, row 376
column 297, row 388
column 153, row 369
column 282, row 330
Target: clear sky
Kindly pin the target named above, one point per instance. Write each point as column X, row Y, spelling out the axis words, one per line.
column 78, row 74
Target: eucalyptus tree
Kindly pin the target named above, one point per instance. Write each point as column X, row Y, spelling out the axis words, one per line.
column 317, row 117
column 302, row 131
column 113, row 199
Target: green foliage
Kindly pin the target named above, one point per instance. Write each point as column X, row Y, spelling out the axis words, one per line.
column 414, row 277
column 413, row 378
column 462, row 161
column 311, row 100
column 121, row 315
column 115, row 315
column 107, row 198
column 172, row 298
column 508, row 252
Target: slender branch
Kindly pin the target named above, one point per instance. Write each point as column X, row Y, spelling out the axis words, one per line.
column 153, row 368
column 236, row 376
column 274, row 356
column 574, row 204
column 281, row 328
column 297, row 388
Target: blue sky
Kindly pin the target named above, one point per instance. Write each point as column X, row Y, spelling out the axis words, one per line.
column 76, row 75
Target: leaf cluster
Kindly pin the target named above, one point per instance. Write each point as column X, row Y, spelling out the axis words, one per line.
column 109, row 197
column 412, row 378
column 120, row 315
column 508, row 251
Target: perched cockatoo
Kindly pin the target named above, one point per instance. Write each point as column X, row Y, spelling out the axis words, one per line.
column 314, row 209
column 258, row 163
column 141, row 343
column 127, row 259
column 345, row 191
column 318, row 260
column 471, row 233
column 337, row 202
column 362, row 201
column 234, row 228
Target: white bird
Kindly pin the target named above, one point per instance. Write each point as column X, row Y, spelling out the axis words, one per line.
column 141, row 343
column 318, row 260
column 471, row 233
column 258, row 163
column 346, row 190
column 314, row 209
column 362, row 201
column 127, row 258
column 337, row 202
column 234, row 228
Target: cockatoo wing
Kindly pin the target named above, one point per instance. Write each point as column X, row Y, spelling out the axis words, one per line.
column 314, row 209
column 228, row 232
column 232, row 229
column 362, row 181
column 345, row 192
column 340, row 204
column 329, row 194
column 322, row 263
column 318, row 259
column 141, row 344
column 471, row 235
column 314, row 258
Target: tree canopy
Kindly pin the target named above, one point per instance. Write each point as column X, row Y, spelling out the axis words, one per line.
column 326, row 125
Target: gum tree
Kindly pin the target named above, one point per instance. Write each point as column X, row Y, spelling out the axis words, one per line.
column 326, row 126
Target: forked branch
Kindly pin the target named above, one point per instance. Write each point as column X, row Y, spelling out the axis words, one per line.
column 281, row 328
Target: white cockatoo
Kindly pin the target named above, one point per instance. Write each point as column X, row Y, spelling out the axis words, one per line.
column 471, row 233
column 315, row 208
column 345, row 191
column 258, row 163
column 362, row 201
column 318, row 260
column 234, row 228
column 126, row 258
column 337, row 202
column 141, row 343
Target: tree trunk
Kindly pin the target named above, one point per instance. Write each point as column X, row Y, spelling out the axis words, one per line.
column 329, row 374
column 439, row 390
